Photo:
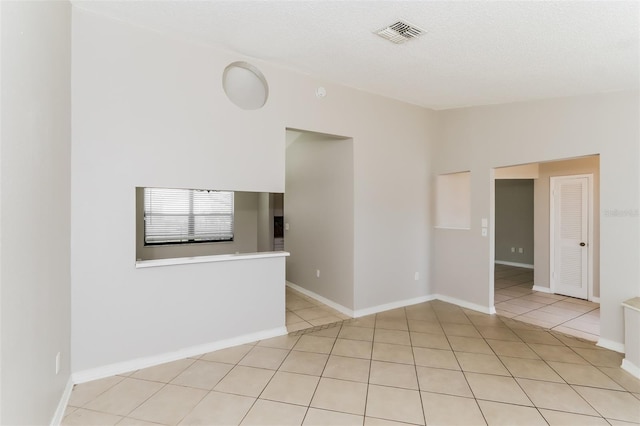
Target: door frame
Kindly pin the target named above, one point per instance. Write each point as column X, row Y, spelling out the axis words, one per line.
column 590, row 212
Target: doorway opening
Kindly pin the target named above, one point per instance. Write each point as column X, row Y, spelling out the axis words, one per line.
column 318, row 228
column 526, row 268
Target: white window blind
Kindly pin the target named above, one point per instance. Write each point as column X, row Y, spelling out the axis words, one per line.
column 173, row 216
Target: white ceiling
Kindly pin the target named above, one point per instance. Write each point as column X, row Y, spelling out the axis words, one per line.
column 473, row 53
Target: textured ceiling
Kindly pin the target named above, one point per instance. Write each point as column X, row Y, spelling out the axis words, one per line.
column 473, row 53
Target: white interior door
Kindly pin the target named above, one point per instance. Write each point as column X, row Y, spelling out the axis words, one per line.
column 570, row 235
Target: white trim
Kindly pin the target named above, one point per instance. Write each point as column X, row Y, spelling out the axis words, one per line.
column 595, row 300
column 541, row 289
column 519, row 265
column 631, row 368
column 393, row 305
column 610, row 344
column 464, row 304
column 208, row 259
column 62, row 405
column 153, row 360
column 590, row 212
column 338, row 307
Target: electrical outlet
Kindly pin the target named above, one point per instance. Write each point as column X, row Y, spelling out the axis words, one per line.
column 416, row 276
column 520, row 250
column 58, row 363
column 317, row 273
column 513, row 249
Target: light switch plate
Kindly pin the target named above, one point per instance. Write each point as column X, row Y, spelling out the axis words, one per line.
column 485, row 222
column 484, row 232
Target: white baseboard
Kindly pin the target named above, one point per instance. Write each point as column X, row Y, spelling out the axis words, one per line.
column 630, row 368
column 465, row 304
column 519, row 265
column 595, row 299
column 610, row 344
column 338, row 307
column 393, row 305
column 62, row 405
column 150, row 361
column 541, row 289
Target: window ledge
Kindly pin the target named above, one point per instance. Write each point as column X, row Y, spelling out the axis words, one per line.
column 208, row 259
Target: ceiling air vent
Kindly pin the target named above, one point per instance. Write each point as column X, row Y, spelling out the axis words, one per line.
column 399, row 32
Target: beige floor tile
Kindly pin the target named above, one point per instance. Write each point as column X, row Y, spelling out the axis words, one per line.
column 170, row 405
column 304, row 363
column 555, row 396
column 436, row 358
column 621, row 377
column 247, row 381
column 392, row 324
column 82, row 417
column 453, row 317
column 344, row 368
column 392, row 374
column 352, row 348
column 592, row 338
column 125, row 396
column 481, row 363
column 498, row 414
column 298, row 326
column 427, row 340
column 329, row 319
column 372, row 421
column 469, row 344
column 508, row 306
column 585, row 375
column 398, row 337
column 443, row 381
column 512, row 349
column 572, row 341
column 557, row 353
column 312, row 313
column 327, row 331
column 287, row 341
column 356, row 333
column 317, row 417
column 485, row 321
column 292, row 318
column 497, row 388
column 219, row 409
column 291, row 388
column 498, row 333
column 85, row 392
column 274, row 413
column 392, row 314
column 400, row 405
column 450, row 410
column 262, row 357
column 530, row 369
column 420, row 326
column 298, row 303
column 392, row 353
column 542, row 323
column 315, row 344
column 612, row 404
column 68, row 411
column 229, row 355
column 537, row 336
column 128, row 421
column 202, row 374
column 464, row 330
column 558, row 418
column 504, row 314
column 368, row 321
column 340, row 395
column 163, row 373
column 422, row 313
column 601, row 357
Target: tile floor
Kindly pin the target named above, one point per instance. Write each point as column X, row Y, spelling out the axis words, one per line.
column 432, row 363
column 514, row 298
column 304, row 312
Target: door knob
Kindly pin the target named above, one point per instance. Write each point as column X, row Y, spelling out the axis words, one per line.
column 582, row 244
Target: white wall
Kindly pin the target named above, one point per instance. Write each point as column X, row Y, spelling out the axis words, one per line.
column 35, row 157
column 318, row 203
column 587, row 165
column 481, row 138
column 137, row 92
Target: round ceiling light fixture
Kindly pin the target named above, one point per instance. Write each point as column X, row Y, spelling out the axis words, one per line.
column 245, row 85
